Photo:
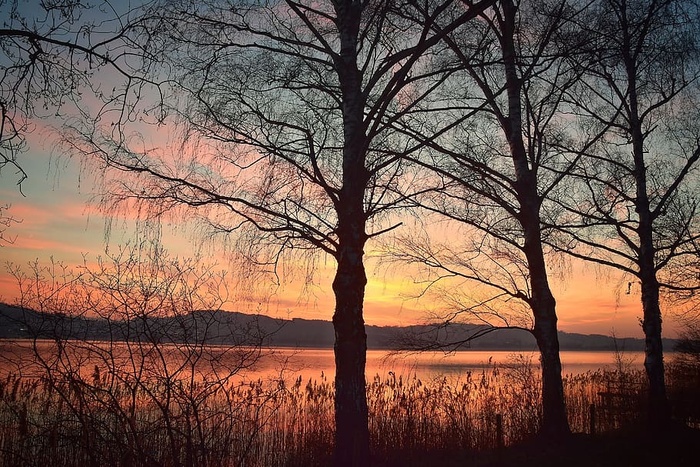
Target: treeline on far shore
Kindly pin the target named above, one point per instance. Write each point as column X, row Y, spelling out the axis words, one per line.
column 223, row 327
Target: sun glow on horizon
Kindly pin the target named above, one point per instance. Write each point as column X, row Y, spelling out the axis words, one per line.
column 57, row 223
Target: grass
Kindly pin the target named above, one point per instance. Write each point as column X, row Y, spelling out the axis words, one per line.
column 70, row 420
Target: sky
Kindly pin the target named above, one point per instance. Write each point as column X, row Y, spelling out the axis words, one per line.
column 58, row 222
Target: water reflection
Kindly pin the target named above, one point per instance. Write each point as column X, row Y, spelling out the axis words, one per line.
column 312, row 363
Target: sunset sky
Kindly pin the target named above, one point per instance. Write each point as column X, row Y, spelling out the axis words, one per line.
column 57, row 221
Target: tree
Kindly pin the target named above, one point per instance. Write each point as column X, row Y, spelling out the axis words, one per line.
column 636, row 206
column 6, row 221
column 135, row 357
column 496, row 168
column 52, row 54
column 683, row 371
column 288, row 111
column 688, row 346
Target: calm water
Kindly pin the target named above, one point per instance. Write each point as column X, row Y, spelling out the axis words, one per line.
column 312, row 363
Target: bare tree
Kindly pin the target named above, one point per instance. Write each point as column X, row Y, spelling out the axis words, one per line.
column 136, row 349
column 689, row 343
column 497, row 165
column 288, row 111
column 470, row 282
column 54, row 55
column 6, row 220
column 636, row 206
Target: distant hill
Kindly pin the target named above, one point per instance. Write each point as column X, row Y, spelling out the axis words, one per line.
column 223, row 327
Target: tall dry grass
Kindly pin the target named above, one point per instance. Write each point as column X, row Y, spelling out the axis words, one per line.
column 98, row 420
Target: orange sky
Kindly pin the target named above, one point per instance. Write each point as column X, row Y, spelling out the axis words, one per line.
column 57, row 222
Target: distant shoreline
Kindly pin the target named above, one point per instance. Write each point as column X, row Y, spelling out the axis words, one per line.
column 19, row 340
column 18, row 323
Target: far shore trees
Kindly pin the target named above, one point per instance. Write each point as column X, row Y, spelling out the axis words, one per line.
column 287, row 111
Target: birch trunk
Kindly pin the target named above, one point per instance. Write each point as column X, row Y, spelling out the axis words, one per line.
column 659, row 411
column 542, row 302
column 351, row 417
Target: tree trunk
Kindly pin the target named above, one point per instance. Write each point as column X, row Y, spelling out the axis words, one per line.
column 351, row 418
column 554, row 422
column 659, row 411
column 658, row 407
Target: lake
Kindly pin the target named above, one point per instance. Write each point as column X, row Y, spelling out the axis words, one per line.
column 309, row 363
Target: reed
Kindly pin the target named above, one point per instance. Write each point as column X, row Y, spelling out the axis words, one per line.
column 102, row 420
